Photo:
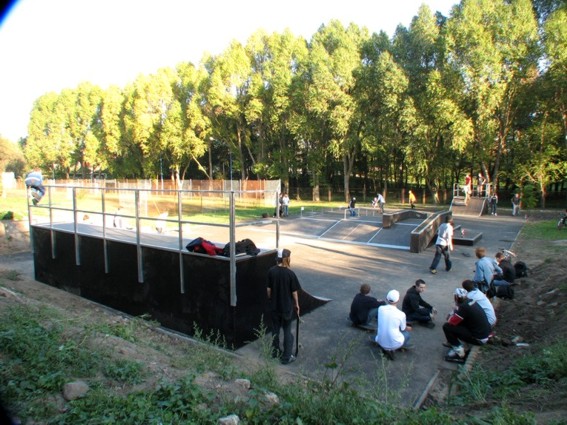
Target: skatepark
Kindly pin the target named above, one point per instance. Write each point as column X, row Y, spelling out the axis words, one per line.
column 333, row 254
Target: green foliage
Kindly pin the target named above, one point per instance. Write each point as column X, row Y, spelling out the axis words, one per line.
column 546, row 230
column 547, row 368
column 6, row 215
column 529, row 197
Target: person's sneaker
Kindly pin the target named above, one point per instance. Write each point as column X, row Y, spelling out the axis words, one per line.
column 433, row 271
column 389, row 354
column 291, row 359
column 456, row 352
column 429, row 324
column 34, row 201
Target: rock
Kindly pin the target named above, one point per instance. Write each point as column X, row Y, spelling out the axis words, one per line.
column 229, row 420
column 75, row 390
column 272, row 399
column 244, row 383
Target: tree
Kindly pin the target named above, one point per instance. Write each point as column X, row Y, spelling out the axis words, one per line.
column 493, row 47
column 338, row 54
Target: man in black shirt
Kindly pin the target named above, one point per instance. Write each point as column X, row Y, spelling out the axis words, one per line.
column 468, row 323
column 416, row 308
column 364, row 307
column 282, row 291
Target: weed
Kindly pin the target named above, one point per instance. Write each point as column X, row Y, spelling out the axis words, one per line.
column 12, row 275
column 125, row 371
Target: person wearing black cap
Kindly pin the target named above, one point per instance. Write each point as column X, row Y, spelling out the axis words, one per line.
column 282, row 289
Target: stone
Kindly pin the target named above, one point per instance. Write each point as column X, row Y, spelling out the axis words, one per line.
column 75, row 390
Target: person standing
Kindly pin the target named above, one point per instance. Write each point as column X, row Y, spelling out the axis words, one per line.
column 467, row 323
column 34, row 180
column 467, row 187
column 282, row 290
column 364, row 307
column 480, row 181
column 416, row 308
column 285, row 204
column 493, row 203
column 443, row 245
column 393, row 331
column 516, row 200
column 381, row 202
column 352, row 207
column 412, row 199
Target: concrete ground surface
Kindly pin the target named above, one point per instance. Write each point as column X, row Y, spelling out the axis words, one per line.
column 335, row 270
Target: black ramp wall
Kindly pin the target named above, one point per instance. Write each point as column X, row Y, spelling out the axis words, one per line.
column 201, row 302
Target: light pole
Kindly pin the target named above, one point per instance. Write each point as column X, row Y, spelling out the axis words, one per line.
column 161, row 170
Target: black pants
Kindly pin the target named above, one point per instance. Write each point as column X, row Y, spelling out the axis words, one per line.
column 455, row 334
column 279, row 323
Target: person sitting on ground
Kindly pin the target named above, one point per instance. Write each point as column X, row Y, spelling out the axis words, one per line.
column 364, row 307
column 474, row 294
column 466, row 324
column 416, row 308
column 485, row 270
column 508, row 271
column 393, row 331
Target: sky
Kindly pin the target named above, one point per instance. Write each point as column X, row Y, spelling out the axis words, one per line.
column 50, row 45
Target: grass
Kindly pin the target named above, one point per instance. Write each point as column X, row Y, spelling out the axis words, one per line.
column 41, row 350
column 544, row 230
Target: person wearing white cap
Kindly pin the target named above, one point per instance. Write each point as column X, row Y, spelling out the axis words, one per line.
column 468, row 323
column 392, row 327
column 282, row 290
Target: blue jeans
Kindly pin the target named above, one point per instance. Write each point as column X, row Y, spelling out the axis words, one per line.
column 441, row 250
column 501, row 282
column 372, row 316
column 407, row 338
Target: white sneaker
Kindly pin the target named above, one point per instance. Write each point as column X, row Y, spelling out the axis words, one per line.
column 457, row 351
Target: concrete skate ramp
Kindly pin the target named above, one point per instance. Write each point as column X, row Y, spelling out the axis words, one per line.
column 364, row 230
column 475, row 206
column 183, row 291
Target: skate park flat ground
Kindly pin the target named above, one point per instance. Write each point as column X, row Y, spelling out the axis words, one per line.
column 335, row 267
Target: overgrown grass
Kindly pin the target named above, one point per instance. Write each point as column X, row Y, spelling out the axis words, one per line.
column 529, row 377
column 543, row 230
column 40, row 351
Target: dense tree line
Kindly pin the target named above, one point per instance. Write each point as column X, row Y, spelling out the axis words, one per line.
column 483, row 90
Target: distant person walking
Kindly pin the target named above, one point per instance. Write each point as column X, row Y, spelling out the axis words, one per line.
column 412, row 199
column 443, row 245
column 282, row 290
column 516, row 201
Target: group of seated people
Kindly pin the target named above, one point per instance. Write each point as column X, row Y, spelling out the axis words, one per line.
column 470, row 322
